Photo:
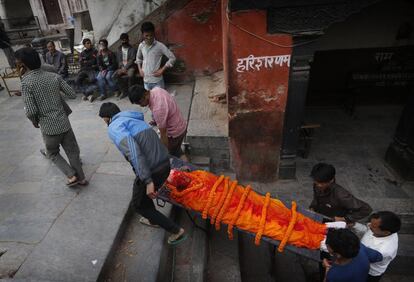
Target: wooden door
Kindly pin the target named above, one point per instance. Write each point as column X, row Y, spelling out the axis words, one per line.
column 52, row 11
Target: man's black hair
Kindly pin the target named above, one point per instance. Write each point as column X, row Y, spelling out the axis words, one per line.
column 86, row 40
column 29, row 57
column 135, row 93
column 323, row 172
column 389, row 221
column 147, row 27
column 104, row 41
column 51, row 42
column 124, row 36
column 343, row 242
column 108, row 110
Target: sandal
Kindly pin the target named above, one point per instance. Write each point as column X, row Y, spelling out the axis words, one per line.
column 175, row 239
column 72, row 183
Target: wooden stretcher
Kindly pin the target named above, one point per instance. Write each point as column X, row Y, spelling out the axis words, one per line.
column 163, row 196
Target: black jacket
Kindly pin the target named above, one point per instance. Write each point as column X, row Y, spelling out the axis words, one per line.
column 88, row 59
column 131, row 57
column 337, row 201
column 111, row 66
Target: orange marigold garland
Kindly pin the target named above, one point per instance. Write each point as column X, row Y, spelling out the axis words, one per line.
column 289, row 229
column 262, row 220
column 186, row 191
column 236, row 214
column 225, row 205
column 211, row 195
column 221, row 202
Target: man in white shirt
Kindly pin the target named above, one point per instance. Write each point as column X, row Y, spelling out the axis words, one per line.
column 381, row 235
column 149, row 55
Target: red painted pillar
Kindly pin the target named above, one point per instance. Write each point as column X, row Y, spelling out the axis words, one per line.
column 256, row 67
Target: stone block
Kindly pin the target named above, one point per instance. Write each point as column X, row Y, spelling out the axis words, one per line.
column 218, row 142
column 220, row 154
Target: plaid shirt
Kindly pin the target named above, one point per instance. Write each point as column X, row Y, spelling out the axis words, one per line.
column 43, row 101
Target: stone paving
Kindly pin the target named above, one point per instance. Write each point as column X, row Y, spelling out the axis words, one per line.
column 47, row 230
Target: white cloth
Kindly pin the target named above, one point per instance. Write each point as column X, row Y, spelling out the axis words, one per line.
column 336, row 224
column 387, row 246
column 125, row 55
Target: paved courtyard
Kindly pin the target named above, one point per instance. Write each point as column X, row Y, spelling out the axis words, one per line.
column 47, row 230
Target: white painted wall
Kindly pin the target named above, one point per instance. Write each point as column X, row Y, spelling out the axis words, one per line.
column 111, row 18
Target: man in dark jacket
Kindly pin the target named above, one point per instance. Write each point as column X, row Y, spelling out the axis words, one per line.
column 332, row 200
column 107, row 65
column 126, row 75
column 140, row 145
column 56, row 59
column 86, row 79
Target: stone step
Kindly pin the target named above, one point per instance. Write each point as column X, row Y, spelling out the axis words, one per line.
column 223, row 261
column 200, row 161
column 187, row 261
column 139, row 245
column 403, row 263
column 255, row 261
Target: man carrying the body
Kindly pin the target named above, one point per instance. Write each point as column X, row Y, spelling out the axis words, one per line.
column 380, row 234
column 332, row 200
column 45, row 108
column 166, row 115
column 149, row 55
column 140, row 145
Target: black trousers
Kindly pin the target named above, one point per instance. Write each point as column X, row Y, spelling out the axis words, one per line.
column 144, row 205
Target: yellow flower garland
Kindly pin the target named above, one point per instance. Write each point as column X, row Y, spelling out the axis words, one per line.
column 221, row 202
column 262, row 220
column 211, row 195
column 226, row 204
column 236, row 214
column 289, row 230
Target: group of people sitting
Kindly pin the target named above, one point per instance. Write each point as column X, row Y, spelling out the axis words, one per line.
column 102, row 68
column 361, row 252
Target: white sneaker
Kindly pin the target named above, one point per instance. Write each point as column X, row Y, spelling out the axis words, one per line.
column 145, row 221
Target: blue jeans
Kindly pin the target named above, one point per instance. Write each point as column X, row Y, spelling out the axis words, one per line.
column 102, row 78
column 149, row 86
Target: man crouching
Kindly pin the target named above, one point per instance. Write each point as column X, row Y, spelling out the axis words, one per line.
column 140, row 145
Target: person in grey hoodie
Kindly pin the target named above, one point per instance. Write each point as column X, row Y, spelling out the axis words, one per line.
column 149, row 159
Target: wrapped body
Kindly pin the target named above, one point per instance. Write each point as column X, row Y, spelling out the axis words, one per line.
column 224, row 201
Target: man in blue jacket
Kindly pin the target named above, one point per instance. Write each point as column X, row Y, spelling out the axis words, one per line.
column 149, row 159
column 351, row 259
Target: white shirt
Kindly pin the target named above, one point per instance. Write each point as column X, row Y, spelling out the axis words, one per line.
column 149, row 57
column 387, row 246
column 125, row 55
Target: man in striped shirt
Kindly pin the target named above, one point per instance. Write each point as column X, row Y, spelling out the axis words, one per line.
column 47, row 110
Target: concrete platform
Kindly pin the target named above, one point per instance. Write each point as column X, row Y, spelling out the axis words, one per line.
column 49, row 232
column 208, row 124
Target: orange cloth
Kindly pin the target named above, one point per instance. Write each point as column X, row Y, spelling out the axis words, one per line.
column 192, row 190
